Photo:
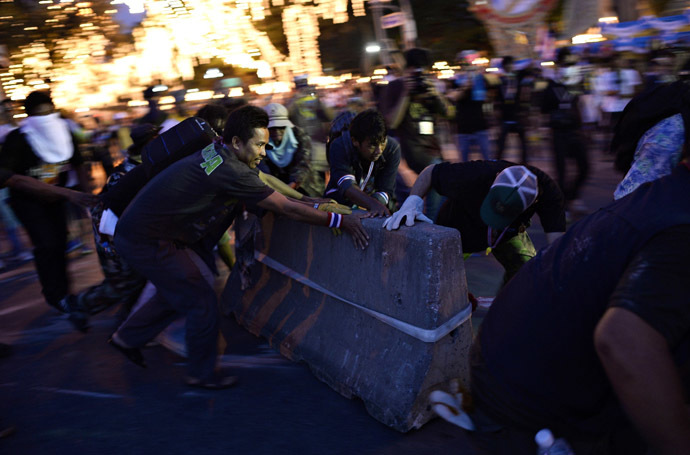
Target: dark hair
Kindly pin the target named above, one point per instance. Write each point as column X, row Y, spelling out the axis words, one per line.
column 35, row 99
column 562, row 56
column 232, row 103
column 215, row 115
column 507, row 60
column 243, row 121
column 368, row 124
column 417, row 57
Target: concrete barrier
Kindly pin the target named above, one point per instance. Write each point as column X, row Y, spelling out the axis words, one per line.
column 387, row 324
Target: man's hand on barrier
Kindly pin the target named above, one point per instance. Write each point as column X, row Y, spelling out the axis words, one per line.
column 352, row 225
column 412, row 209
column 376, row 210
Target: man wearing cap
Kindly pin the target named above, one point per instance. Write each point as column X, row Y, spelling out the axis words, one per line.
column 591, row 338
column 491, row 203
column 364, row 161
column 290, row 158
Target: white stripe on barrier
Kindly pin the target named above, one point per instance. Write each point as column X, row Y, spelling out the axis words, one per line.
column 425, row 335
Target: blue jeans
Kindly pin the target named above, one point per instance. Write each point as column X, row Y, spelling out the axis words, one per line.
column 480, row 138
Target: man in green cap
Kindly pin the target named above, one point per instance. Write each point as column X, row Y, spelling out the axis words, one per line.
column 491, row 203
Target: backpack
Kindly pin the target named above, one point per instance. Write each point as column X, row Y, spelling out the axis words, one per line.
column 185, row 138
column 567, row 115
column 643, row 112
column 340, row 123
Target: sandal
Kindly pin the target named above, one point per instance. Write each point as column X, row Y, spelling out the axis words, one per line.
column 133, row 354
column 216, row 383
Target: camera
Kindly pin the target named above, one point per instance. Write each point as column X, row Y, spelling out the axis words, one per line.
column 419, row 84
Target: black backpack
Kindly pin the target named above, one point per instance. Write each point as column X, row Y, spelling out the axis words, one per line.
column 643, row 112
column 185, row 138
column 340, row 123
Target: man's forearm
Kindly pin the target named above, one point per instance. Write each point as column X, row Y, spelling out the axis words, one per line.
column 279, row 186
column 357, row 196
column 36, row 187
column 644, row 377
column 423, row 183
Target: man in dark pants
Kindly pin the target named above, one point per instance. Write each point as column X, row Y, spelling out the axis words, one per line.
column 167, row 233
column 510, row 107
column 364, row 161
column 44, row 148
column 491, row 204
column 560, row 101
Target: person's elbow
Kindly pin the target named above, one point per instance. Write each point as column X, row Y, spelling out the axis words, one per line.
column 605, row 342
column 611, row 342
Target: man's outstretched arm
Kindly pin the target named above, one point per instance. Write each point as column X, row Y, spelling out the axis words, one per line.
column 49, row 192
column 644, row 377
column 351, row 224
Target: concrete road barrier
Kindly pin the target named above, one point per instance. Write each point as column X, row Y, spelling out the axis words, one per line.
column 388, row 324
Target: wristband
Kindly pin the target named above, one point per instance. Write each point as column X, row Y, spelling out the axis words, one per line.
column 334, row 220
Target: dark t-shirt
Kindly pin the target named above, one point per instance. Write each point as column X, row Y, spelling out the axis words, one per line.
column 5, row 174
column 509, row 93
column 469, row 113
column 561, row 103
column 534, row 363
column 418, row 130
column 192, row 197
column 467, row 184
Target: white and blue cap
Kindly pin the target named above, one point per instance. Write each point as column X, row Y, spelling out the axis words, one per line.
column 514, row 189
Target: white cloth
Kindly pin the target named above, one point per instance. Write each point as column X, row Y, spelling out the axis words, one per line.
column 108, row 222
column 49, row 137
column 282, row 154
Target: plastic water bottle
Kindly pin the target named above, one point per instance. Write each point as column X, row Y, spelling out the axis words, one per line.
column 548, row 445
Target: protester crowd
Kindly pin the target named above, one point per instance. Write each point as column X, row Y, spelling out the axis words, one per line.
column 588, row 336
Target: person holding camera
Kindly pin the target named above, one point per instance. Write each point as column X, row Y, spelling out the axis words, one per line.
column 412, row 108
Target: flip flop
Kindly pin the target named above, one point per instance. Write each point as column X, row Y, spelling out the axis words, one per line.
column 216, row 383
column 133, row 354
column 449, row 408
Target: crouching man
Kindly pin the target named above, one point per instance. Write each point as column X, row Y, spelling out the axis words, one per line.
column 364, row 162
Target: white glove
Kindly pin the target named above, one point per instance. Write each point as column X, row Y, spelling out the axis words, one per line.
column 412, row 209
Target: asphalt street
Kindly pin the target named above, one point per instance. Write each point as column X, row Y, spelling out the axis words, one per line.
column 64, row 392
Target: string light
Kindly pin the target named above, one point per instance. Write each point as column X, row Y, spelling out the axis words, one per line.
column 86, row 70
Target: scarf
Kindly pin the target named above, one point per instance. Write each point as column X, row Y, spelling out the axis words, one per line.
column 49, row 137
column 282, row 155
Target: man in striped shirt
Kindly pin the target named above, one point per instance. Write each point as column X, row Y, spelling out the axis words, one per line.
column 364, row 162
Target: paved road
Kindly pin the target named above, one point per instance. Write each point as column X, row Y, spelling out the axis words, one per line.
column 70, row 393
